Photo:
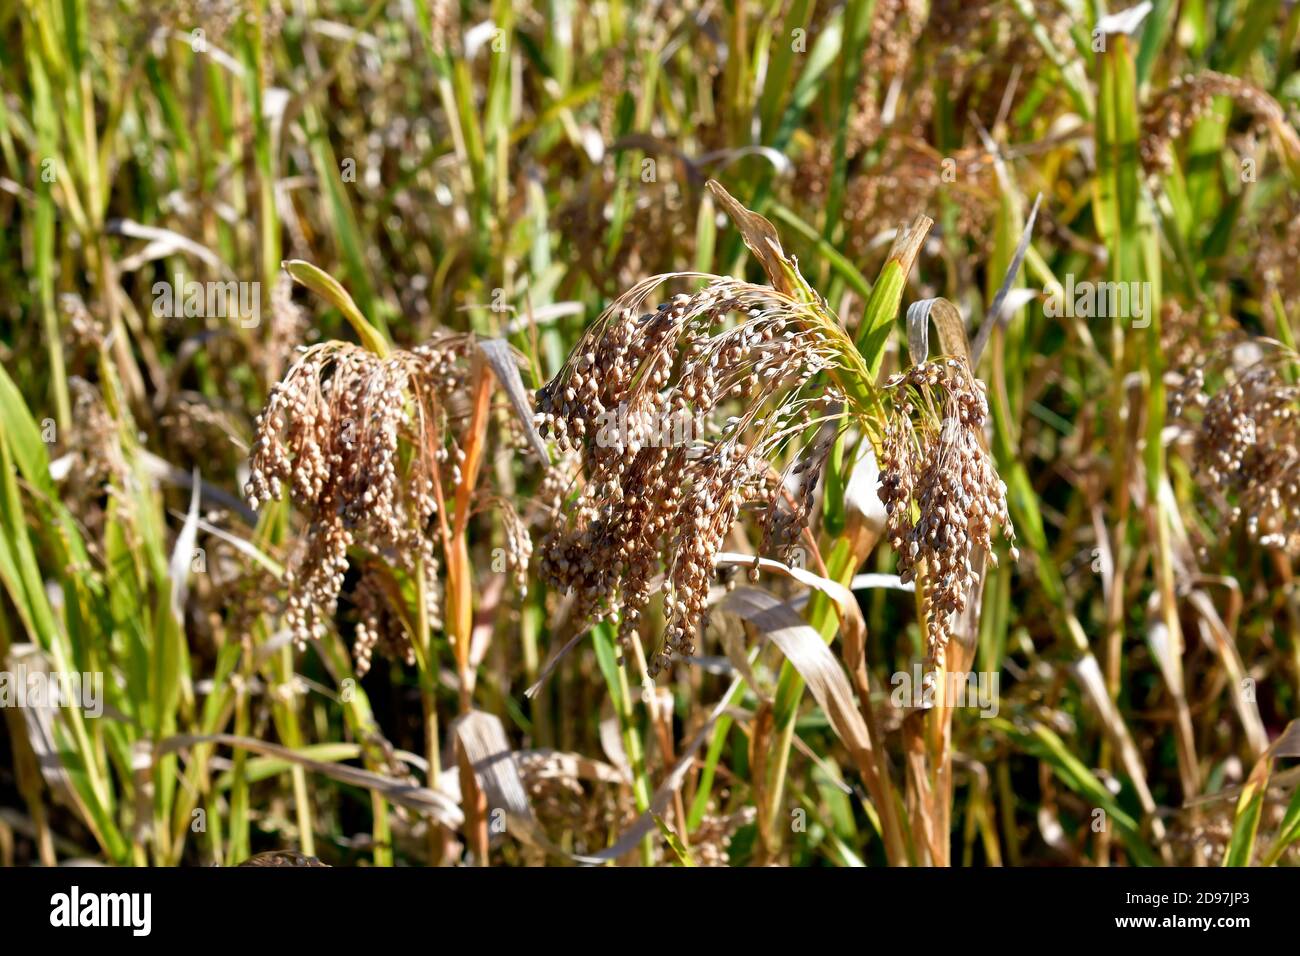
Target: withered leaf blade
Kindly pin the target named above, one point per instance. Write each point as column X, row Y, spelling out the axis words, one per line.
column 947, row 322
column 40, row 718
column 501, row 360
column 850, row 614
column 804, row 648
column 611, row 740
column 862, row 493
column 997, row 309
column 183, row 556
column 552, row 662
column 761, row 238
column 1087, row 671
column 1217, row 636
column 488, row 750
column 420, row 799
column 165, row 242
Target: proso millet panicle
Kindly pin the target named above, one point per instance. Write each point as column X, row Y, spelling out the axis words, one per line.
column 934, row 458
column 1246, row 437
column 664, row 475
column 330, row 434
column 1174, row 111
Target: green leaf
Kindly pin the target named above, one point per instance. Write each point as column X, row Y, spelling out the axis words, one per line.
column 326, row 286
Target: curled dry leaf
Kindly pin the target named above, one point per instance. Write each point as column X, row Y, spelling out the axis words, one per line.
column 807, row 652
